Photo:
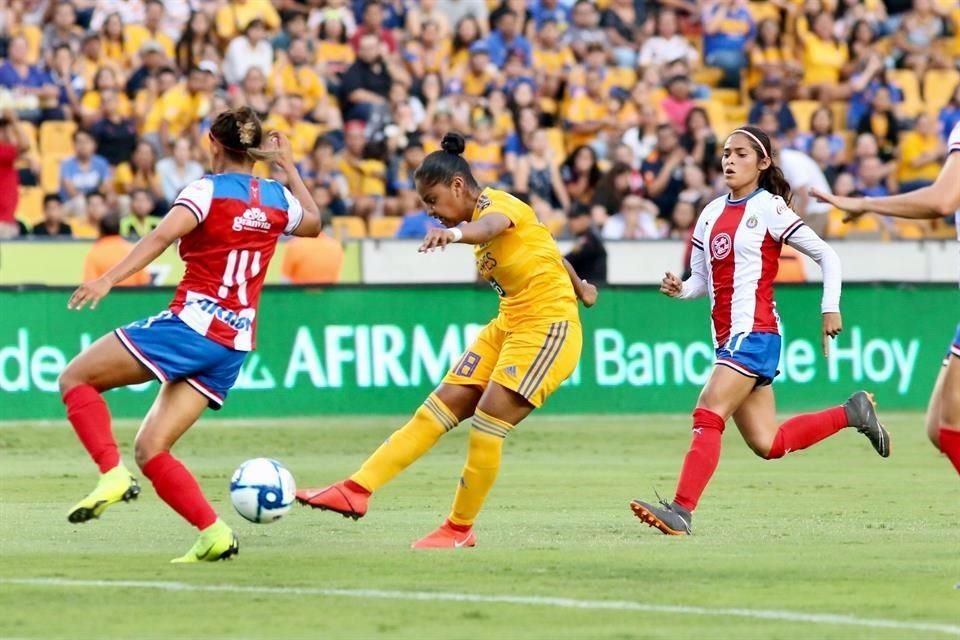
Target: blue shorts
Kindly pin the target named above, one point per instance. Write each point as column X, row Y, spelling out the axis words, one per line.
column 171, row 350
column 954, row 349
column 754, row 355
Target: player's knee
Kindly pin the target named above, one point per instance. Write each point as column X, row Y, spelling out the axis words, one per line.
column 69, row 378
column 145, row 448
column 763, row 449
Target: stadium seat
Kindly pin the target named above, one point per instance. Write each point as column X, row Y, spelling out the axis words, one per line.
column 83, row 230
column 349, row 227
column 555, row 138
column 716, row 112
column 839, row 109
column 709, row 76
column 906, row 80
column 726, row 97
column 385, row 227
column 802, row 110
column 30, row 205
column 31, row 132
column 56, row 137
column 50, row 172
column 738, row 113
column 938, row 86
column 910, row 230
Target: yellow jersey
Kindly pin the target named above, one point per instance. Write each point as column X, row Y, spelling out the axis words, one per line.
column 524, row 266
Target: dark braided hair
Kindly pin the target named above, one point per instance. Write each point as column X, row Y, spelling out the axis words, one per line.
column 441, row 167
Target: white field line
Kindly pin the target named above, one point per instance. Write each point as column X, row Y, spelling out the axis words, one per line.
column 534, row 601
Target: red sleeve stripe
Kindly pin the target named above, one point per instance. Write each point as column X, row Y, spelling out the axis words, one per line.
column 192, row 206
column 791, row 230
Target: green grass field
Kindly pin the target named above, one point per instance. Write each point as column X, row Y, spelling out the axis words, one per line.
column 839, row 542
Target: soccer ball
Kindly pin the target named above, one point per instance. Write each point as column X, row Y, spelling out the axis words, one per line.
column 262, row 490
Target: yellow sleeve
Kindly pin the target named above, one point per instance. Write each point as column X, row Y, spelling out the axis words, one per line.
column 269, row 15
column 494, row 201
column 226, row 25
column 91, row 100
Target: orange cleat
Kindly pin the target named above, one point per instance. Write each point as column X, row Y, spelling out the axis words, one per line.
column 338, row 498
column 446, row 537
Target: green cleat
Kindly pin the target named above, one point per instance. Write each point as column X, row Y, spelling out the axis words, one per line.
column 114, row 486
column 216, row 542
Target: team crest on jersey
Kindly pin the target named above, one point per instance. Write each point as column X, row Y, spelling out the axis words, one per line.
column 721, row 245
column 253, row 219
column 483, row 202
column 752, row 222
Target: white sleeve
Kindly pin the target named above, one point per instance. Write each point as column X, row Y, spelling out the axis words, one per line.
column 953, row 142
column 782, row 221
column 804, row 240
column 196, row 197
column 294, row 212
column 696, row 285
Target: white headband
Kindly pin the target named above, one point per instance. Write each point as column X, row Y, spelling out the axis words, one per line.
column 754, row 138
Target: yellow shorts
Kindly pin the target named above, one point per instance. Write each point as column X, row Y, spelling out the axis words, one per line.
column 532, row 362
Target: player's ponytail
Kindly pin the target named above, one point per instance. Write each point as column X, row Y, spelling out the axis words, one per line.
column 771, row 179
column 240, row 134
column 441, row 167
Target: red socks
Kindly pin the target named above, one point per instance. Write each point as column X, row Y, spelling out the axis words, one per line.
column 459, row 528
column 178, row 488
column 90, row 417
column 950, row 445
column 702, row 458
column 800, row 432
column 358, row 488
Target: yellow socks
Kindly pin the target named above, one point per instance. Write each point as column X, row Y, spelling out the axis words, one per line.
column 406, row 445
column 480, row 471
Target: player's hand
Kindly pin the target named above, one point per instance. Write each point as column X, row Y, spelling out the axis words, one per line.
column 281, row 144
column 671, row 285
column 436, row 239
column 89, row 293
column 588, row 294
column 853, row 207
column 832, row 327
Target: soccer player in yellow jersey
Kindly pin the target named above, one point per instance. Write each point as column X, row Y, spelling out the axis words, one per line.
column 517, row 361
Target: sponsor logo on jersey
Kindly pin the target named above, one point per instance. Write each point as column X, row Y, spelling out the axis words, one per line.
column 751, row 222
column 721, row 245
column 233, row 319
column 253, row 219
column 483, row 202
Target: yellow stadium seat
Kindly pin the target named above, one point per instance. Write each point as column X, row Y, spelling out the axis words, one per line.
column 738, row 113
column 349, row 227
column 50, row 172
column 909, row 230
column 385, row 227
column 726, row 97
column 717, row 115
column 839, row 110
column 802, row 111
column 907, row 80
column 31, row 132
column 709, row 76
column 83, row 230
column 938, row 86
column 56, row 137
column 555, row 138
column 30, row 205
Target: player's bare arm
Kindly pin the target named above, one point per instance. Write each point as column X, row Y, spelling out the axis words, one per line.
column 311, row 224
column 176, row 224
column 587, row 293
column 940, row 199
column 483, row 230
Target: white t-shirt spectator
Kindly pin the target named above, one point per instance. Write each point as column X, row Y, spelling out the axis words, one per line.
column 173, row 179
column 241, row 56
column 646, row 228
column 659, row 51
column 802, row 172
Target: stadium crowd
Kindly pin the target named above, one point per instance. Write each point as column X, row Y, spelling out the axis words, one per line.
column 606, row 116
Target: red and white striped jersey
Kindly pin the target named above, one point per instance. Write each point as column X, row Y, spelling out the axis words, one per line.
column 226, row 256
column 739, row 242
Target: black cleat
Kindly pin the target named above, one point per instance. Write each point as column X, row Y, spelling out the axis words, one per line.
column 862, row 414
column 670, row 518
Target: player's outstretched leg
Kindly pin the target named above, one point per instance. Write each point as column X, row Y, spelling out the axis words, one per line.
column 177, row 407
column 860, row 412
column 949, row 435
column 497, row 413
column 104, row 365
column 405, row 446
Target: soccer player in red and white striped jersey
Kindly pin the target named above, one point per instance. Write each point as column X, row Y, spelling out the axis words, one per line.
column 736, row 251
column 939, row 200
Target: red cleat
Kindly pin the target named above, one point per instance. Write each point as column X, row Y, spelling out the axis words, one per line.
column 339, row 498
column 446, row 537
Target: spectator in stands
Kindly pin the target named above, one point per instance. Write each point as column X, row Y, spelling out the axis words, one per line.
column 870, row 178
column 824, row 57
column 195, row 42
column 91, row 106
column 483, row 152
column 178, row 170
column 667, row 44
column 622, row 21
column 728, row 30
column 921, row 154
column 372, row 23
column 663, row 169
column 821, row 153
column 129, row 11
column 29, row 83
column 253, row 93
column 881, row 121
column 366, row 177
column 82, row 173
column 584, row 29
column 771, row 98
column 402, row 166
column 862, row 43
column 416, row 221
column 457, row 10
column 538, row 178
column 864, row 84
column 635, row 220
column 424, row 11
column 334, row 54
column 950, row 114
column 114, row 42
column 587, row 114
column 588, row 257
column 115, row 135
column 234, row 15
column 252, row 49
column 550, row 11
column 803, row 174
column 581, row 173
column 769, row 56
column 70, row 85
column 316, row 260
column 366, row 84
column 822, row 126
column 683, row 219
column 107, row 251
column 62, row 29
column 152, row 59
column 517, row 143
column 613, row 187
column 322, row 170
column 677, row 104
column 13, row 143
column 139, row 173
column 140, row 221
column 52, row 224
column 151, row 30
column 699, row 139
column 915, row 39
column 507, row 38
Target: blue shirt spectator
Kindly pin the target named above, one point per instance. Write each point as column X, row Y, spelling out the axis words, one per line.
column 544, row 10
column 728, row 29
column 415, row 225
column 507, row 39
column 860, row 101
column 84, row 172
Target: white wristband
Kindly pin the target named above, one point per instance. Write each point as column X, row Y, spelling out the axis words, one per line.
column 457, row 234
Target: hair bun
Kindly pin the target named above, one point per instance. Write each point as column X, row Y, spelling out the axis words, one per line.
column 453, row 143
